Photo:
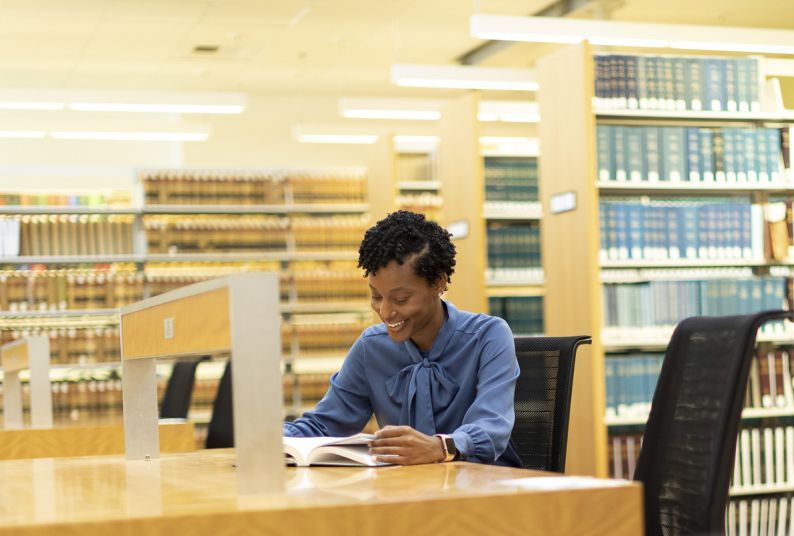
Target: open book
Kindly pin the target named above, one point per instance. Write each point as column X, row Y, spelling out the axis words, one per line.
column 353, row 450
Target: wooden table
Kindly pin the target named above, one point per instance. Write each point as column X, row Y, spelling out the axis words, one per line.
column 195, row 493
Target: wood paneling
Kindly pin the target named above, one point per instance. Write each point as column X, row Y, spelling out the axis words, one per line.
column 569, row 241
column 14, row 356
column 144, row 335
column 86, row 441
column 462, row 182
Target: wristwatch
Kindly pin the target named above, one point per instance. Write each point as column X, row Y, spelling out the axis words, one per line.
column 448, row 444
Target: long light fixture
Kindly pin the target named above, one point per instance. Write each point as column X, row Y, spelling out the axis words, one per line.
column 186, row 102
column 632, row 34
column 128, row 136
column 509, row 111
column 430, row 109
column 463, row 77
column 385, row 108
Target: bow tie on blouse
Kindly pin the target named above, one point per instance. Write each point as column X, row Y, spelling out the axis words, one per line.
column 423, row 389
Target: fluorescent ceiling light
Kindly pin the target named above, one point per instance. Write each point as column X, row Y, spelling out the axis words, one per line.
column 22, row 134
column 509, row 111
column 463, row 77
column 156, row 108
column 386, row 108
column 180, row 102
column 31, row 105
column 409, row 139
column 338, row 138
column 130, row 136
column 632, row 34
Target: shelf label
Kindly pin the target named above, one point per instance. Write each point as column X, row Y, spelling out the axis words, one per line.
column 168, row 328
column 563, row 202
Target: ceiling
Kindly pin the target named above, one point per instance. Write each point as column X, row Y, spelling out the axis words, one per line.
column 311, row 47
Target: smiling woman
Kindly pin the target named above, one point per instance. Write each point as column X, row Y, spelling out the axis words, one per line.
column 440, row 381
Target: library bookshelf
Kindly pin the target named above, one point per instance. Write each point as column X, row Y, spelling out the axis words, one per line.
column 503, row 200
column 678, row 212
column 67, row 266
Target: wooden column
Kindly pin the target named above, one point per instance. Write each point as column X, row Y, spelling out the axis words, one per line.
column 461, row 172
column 570, row 242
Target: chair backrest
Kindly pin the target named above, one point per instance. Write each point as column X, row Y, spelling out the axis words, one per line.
column 689, row 445
column 179, row 390
column 220, row 433
column 543, row 399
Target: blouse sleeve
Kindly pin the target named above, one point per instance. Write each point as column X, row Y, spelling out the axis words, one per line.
column 345, row 408
column 488, row 423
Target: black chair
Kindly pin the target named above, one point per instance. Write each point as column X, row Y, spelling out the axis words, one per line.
column 220, row 433
column 179, row 390
column 687, row 453
column 543, row 399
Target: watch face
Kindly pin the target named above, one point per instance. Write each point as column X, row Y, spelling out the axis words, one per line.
column 449, row 443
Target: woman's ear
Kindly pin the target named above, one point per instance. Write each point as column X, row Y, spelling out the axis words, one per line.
column 441, row 285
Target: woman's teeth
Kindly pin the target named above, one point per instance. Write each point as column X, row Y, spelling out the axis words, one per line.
column 396, row 324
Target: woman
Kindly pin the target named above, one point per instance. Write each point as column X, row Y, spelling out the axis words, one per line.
column 440, row 381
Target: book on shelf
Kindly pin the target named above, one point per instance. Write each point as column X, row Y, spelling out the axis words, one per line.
column 352, row 450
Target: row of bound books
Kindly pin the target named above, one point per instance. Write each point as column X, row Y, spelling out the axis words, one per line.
column 75, row 346
column 217, row 187
column 768, row 516
column 67, row 234
column 511, row 179
column 524, row 314
column 660, row 303
column 513, row 245
column 709, row 228
column 631, row 381
column 669, row 154
column 677, row 83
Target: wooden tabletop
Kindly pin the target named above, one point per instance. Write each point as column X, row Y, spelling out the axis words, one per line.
column 195, row 493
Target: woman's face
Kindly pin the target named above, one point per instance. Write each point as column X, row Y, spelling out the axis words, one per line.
column 407, row 304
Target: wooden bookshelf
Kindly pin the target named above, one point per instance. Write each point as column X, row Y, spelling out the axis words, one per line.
column 577, row 274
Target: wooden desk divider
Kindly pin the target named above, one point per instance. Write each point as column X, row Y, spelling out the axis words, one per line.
column 238, row 313
column 31, row 353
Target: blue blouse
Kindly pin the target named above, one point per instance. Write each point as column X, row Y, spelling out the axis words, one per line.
column 463, row 387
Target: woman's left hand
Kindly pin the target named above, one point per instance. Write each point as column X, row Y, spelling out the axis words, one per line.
column 405, row 446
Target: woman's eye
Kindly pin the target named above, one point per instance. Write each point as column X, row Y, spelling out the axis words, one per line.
column 402, row 301
column 376, row 298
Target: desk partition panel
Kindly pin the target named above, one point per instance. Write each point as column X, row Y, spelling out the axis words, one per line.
column 238, row 314
column 31, row 353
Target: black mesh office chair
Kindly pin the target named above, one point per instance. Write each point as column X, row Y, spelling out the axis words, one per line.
column 220, row 433
column 179, row 389
column 543, row 399
column 690, row 439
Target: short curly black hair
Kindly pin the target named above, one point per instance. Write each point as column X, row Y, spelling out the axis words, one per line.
column 407, row 236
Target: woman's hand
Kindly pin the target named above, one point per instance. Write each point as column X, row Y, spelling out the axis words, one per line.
column 405, row 446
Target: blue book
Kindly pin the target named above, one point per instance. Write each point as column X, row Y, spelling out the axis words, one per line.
column 706, row 155
column 632, row 91
column 714, row 80
column 634, row 153
column 690, row 225
column 679, row 83
column 652, row 81
column 754, row 84
column 775, row 158
column 673, row 157
column 619, row 160
column 729, row 153
column 762, row 155
column 731, row 89
column 604, row 153
column 651, row 140
column 674, row 231
column 693, row 154
column 636, row 240
column 695, row 84
column 742, row 84
column 740, row 154
column 642, row 82
column 750, row 154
